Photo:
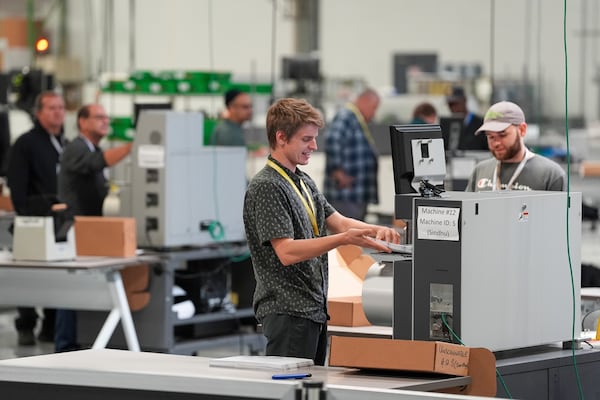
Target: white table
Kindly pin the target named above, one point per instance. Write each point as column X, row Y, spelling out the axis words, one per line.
column 128, row 375
column 86, row 283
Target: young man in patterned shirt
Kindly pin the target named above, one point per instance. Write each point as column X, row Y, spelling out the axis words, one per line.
column 287, row 222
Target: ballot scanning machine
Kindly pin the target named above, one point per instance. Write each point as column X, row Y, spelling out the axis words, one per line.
column 490, row 269
column 185, row 193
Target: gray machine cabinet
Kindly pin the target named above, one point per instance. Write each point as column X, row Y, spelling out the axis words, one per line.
column 185, row 194
column 494, row 266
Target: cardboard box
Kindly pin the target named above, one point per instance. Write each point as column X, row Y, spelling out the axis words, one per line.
column 105, row 236
column 351, row 257
column 135, row 281
column 346, row 311
column 402, row 355
column 6, row 203
column 589, row 168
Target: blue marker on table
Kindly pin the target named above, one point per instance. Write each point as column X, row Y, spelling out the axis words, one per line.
column 292, row 376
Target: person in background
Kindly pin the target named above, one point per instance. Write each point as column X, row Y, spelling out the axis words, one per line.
column 82, row 186
column 457, row 103
column 287, row 221
column 424, row 113
column 352, row 158
column 229, row 131
column 32, row 178
column 514, row 166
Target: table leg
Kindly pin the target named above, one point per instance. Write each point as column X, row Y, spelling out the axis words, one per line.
column 120, row 311
column 107, row 329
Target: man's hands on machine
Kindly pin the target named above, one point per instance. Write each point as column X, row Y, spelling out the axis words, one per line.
column 374, row 238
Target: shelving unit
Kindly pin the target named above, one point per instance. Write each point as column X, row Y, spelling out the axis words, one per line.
column 157, row 324
column 174, row 85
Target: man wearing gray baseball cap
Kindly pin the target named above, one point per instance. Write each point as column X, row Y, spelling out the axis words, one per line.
column 514, row 166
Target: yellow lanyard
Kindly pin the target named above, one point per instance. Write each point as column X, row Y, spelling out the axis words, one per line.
column 363, row 125
column 309, row 206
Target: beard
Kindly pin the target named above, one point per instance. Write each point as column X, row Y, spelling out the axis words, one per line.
column 510, row 151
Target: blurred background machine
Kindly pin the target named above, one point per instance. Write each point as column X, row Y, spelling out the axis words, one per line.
column 184, row 194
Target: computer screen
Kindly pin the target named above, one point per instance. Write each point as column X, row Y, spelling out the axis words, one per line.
column 139, row 107
column 417, row 155
column 451, row 130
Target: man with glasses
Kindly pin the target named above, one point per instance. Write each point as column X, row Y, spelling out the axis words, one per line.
column 32, row 175
column 514, row 166
column 83, row 187
column 229, row 131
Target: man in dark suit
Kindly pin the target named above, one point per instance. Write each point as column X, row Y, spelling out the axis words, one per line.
column 32, row 175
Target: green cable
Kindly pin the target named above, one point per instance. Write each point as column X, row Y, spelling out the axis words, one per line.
column 458, row 339
column 574, row 311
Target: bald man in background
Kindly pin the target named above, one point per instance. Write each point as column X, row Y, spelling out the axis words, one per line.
column 352, row 157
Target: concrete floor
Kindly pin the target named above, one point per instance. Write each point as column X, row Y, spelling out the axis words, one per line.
column 590, row 253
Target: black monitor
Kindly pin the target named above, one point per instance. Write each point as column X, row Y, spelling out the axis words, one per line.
column 452, row 128
column 417, row 156
column 139, row 107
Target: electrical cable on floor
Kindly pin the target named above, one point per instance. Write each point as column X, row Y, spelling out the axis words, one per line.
column 459, row 340
column 574, row 311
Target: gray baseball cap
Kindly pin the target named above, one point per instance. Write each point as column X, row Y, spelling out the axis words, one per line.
column 500, row 116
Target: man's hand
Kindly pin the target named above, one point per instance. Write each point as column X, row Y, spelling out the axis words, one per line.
column 390, row 235
column 364, row 238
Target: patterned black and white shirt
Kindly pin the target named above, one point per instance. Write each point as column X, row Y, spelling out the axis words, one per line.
column 272, row 209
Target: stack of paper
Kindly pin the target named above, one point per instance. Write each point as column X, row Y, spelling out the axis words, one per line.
column 273, row 363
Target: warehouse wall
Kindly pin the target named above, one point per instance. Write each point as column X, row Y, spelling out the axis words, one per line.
column 516, row 38
column 358, row 37
column 230, row 35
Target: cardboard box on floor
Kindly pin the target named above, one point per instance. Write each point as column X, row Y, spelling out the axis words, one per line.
column 418, row 356
column 346, row 311
column 105, row 236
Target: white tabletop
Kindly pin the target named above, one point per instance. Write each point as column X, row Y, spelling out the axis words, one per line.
column 185, row 374
column 81, row 262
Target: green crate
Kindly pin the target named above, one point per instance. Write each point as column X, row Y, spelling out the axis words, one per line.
column 156, row 87
column 121, row 129
column 259, row 88
column 143, row 76
column 115, row 86
column 208, row 81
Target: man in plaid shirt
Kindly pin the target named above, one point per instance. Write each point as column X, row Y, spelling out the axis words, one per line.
column 351, row 158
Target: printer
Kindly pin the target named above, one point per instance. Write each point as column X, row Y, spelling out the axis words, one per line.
column 48, row 236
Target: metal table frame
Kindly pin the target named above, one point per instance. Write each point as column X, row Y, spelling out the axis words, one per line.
column 86, row 283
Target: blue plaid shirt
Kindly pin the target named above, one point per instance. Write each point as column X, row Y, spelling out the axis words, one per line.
column 347, row 148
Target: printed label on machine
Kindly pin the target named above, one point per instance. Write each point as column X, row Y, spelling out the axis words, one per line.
column 151, row 156
column 438, row 223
